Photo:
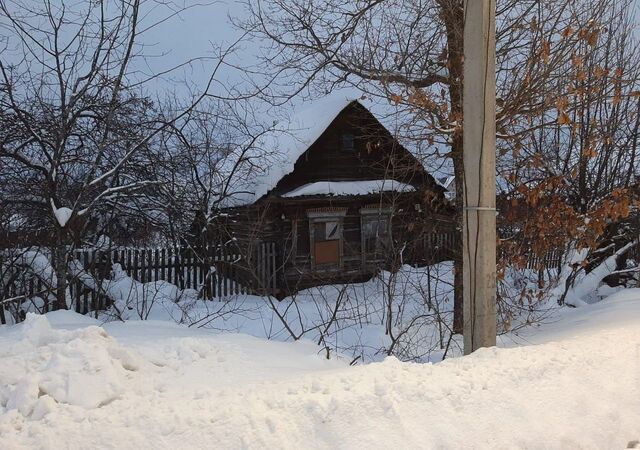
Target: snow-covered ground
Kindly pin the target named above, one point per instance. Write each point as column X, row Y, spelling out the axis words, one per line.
column 66, row 382
column 349, row 319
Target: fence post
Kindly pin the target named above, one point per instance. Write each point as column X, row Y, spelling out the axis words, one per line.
column 170, row 265
column 156, row 264
column 149, row 262
column 188, row 266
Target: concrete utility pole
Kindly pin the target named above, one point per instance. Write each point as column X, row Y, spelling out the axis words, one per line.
column 479, row 217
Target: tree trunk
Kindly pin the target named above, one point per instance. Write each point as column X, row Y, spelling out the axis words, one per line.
column 458, row 278
column 453, row 16
column 60, row 262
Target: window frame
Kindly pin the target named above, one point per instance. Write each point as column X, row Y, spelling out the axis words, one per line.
column 367, row 214
column 350, row 138
column 326, row 216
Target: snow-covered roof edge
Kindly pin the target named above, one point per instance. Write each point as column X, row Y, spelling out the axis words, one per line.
column 291, row 140
column 348, row 188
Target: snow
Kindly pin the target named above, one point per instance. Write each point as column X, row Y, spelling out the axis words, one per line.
column 284, row 144
column 356, row 330
column 449, row 183
column 590, row 282
column 62, row 214
column 135, row 300
column 349, row 188
column 84, row 367
column 67, row 383
column 37, row 262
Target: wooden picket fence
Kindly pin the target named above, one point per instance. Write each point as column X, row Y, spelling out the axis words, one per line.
column 436, row 246
column 440, row 246
column 17, row 287
column 552, row 260
column 216, row 272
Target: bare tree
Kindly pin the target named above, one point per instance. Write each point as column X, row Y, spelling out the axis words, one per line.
column 74, row 112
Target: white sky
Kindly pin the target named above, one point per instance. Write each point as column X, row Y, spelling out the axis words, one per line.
column 194, row 33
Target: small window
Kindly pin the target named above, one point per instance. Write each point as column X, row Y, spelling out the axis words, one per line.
column 326, row 231
column 325, row 236
column 348, row 141
column 326, row 247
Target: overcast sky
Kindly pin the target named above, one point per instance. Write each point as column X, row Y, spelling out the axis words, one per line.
column 197, row 32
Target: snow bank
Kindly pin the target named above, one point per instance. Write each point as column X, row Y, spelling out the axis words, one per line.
column 194, row 389
column 42, row 366
column 420, row 319
column 37, row 261
column 349, row 188
column 350, row 320
column 587, row 284
column 153, row 300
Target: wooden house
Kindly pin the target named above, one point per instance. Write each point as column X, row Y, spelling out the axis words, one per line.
column 344, row 200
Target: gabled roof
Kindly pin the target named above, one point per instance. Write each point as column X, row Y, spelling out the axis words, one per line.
column 284, row 145
column 278, row 150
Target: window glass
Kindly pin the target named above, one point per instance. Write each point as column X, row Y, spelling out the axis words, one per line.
column 347, row 141
column 326, row 231
column 332, row 230
column 376, row 233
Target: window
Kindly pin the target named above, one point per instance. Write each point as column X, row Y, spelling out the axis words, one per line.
column 348, row 139
column 325, row 233
column 376, row 234
column 326, row 237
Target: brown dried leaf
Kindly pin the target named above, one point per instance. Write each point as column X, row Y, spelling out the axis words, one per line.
column 600, row 72
column 395, row 98
column 545, row 51
column 563, row 118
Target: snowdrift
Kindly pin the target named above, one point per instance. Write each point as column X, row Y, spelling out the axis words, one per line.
column 67, row 383
column 44, row 366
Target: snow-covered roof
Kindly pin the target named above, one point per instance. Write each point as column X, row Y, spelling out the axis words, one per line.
column 284, row 145
column 338, row 188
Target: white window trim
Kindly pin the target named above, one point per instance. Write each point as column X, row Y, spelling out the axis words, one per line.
column 321, row 217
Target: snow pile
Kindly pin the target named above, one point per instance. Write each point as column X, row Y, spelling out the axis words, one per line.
column 586, row 286
column 349, row 188
column 36, row 261
column 579, row 387
column 408, row 313
column 348, row 319
column 42, row 366
column 134, row 300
